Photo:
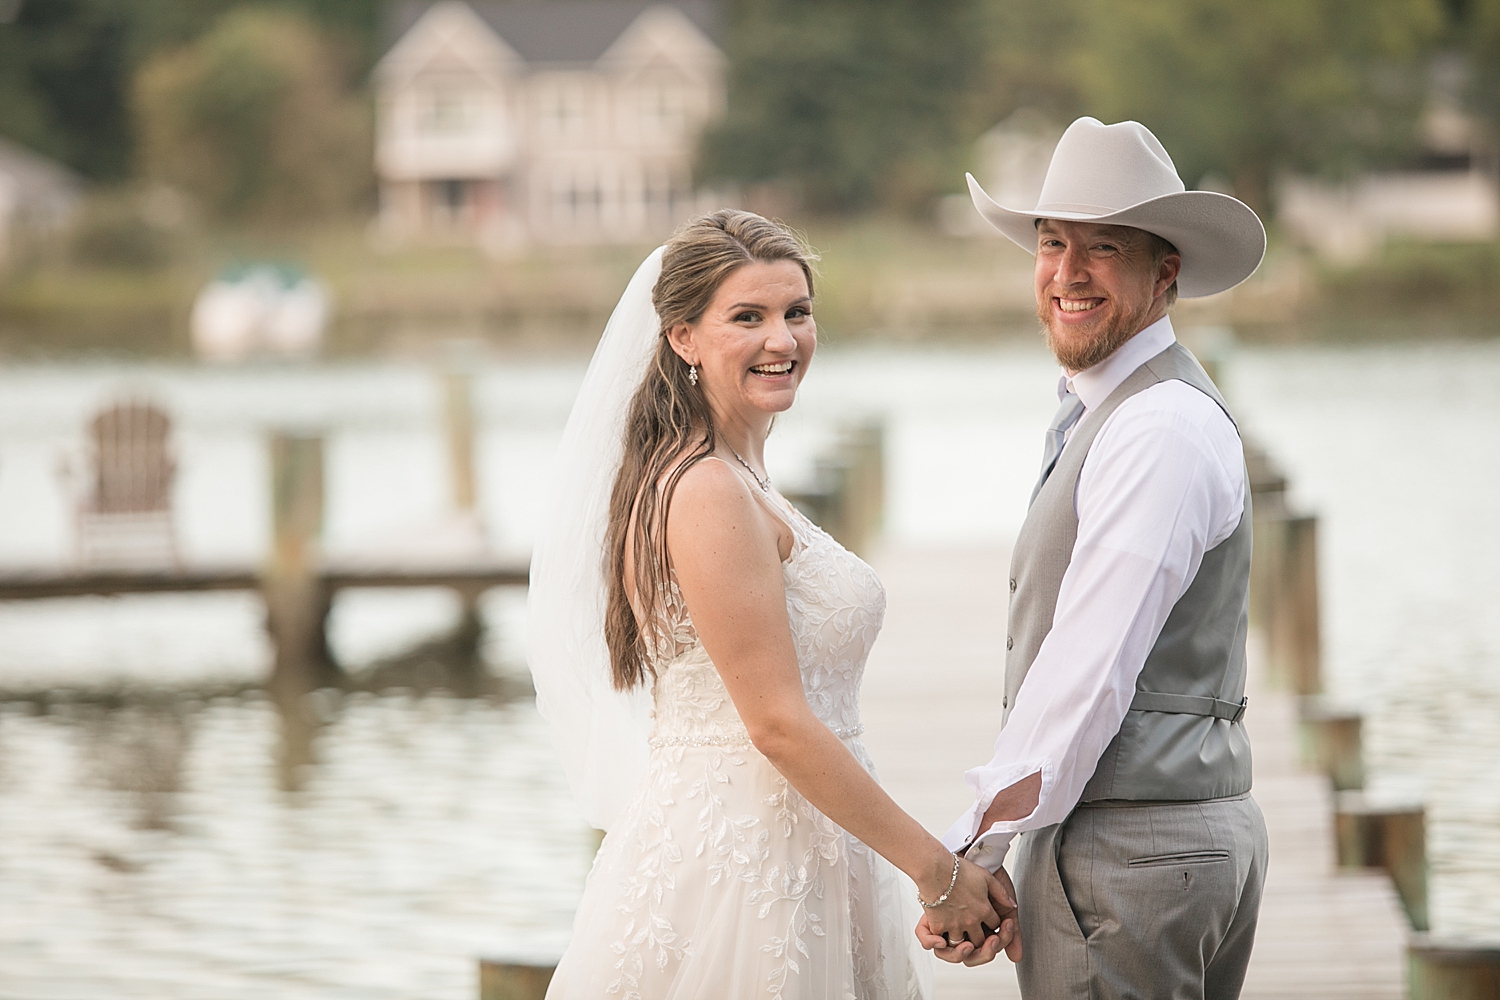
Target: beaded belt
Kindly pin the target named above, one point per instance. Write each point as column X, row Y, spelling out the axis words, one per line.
column 736, row 741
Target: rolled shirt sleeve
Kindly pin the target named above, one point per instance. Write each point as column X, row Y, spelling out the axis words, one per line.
column 1162, row 484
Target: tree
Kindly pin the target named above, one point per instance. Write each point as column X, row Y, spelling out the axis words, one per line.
column 853, row 101
column 1247, row 89
column 66, row 66
column 1482, row 33
column 62, row 84
column 253, row 121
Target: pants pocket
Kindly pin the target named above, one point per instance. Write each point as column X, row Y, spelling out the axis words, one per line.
column 1180, row 858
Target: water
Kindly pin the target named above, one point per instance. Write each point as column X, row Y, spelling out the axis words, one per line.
column 156, row 857
column 150, row 853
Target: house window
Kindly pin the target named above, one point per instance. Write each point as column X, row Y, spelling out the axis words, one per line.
column 668, row 194
column 576, row 198
column 663, row 107
column 450, row 194
column 448, row 201
column 564, row 108
column 448, row 110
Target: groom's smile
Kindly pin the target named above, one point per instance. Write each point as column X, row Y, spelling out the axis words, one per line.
column 1072, row 306
column 1096, row 287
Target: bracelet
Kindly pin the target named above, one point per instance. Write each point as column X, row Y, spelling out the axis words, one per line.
column 944, row 897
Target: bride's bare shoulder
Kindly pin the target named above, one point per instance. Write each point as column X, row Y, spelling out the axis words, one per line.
column 710, row 483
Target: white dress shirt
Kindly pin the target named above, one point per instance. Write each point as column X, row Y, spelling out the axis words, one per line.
column 1163, row 483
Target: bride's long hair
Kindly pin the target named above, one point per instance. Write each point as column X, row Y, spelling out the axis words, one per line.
column 669, row 427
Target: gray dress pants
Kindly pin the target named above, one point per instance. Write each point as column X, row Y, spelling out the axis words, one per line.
column 1141, row 901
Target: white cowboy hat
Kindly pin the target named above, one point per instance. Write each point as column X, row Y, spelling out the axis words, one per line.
column 1121, row 175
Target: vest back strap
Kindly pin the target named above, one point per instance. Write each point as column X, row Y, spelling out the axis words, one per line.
column 1188, row 704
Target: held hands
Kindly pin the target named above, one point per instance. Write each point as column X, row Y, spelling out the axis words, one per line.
column 937, row 928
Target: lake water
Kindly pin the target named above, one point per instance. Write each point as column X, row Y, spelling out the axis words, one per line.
column 150, row 851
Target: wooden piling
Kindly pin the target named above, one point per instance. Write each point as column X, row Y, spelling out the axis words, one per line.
column 514, row 979
column 863, row 452
column 297, row 600
column 458, row 414
column 1268, row 501
column 1332, row 741
column 1393, row 837
column 1287, row 548
column 458, row 423
column 847, row 495
column 1452, row 970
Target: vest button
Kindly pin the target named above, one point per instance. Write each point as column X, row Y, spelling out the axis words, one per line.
column 1005, row 701
column 1009, row 642
column 1012, row 585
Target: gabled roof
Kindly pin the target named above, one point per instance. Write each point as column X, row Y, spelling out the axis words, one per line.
column 562, row 31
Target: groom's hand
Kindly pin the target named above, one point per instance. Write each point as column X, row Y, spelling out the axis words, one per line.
column 1003, row 898
column 1006, row 938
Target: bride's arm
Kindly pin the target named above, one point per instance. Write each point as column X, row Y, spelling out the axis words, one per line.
column 726, row 553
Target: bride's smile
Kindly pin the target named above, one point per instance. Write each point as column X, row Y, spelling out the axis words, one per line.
column 752, row 347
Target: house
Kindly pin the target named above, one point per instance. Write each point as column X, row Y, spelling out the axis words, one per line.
column 1010, row 161
column 572, row 121
column 36, row 194
column 1448, row 194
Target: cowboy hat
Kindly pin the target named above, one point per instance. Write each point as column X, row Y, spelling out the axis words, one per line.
column 1120, row 175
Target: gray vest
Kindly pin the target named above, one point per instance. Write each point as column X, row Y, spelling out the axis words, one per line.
column 1182, row 738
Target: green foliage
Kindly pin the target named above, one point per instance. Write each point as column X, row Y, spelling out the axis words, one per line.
column 1447, row 278
column 851, row 101
column 66, row 66
column 860, row 101
column 252, row 121
column 114, row 231
column 62, row 83
column 1244, row 89
column 1481, row 34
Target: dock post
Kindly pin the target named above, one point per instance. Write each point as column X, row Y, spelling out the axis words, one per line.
column 1393, row 837
column 1268, row 500
column 1293, row 631
column 1452, row 970
column 1333, row 742
column 510, row 979
column 864, row 486
column 458, row 423
column 297, row 600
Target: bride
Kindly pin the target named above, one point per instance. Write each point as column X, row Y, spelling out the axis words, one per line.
column 697, row 646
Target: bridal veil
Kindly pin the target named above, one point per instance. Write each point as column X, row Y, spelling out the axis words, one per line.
column 600, row 733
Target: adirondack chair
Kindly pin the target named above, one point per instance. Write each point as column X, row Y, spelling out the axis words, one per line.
column 125, row 510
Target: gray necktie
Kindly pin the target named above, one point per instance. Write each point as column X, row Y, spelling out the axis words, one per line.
column 1067, row 415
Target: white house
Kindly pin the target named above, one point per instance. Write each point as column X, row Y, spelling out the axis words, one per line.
column 1010, row 161
column 1449, row 195
column 572, row 121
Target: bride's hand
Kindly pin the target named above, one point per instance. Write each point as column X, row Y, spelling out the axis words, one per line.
column 964, row 917
column 1007, row 937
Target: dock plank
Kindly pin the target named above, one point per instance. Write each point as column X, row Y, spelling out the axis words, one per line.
column 85, row 581
column 931, row 706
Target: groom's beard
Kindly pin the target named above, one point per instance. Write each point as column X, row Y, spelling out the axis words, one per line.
column 1089, row 347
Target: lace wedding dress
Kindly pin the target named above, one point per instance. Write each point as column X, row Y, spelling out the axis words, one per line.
column 719, row 880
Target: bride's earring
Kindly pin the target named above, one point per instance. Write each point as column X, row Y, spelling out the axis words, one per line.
column 693, row 374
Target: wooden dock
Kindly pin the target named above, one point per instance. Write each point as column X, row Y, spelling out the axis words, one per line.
column 87, row 581
column 931, row 707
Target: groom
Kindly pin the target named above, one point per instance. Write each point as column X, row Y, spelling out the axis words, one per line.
column 1123, row 755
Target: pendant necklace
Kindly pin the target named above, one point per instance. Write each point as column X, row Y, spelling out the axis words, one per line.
column 764, row 484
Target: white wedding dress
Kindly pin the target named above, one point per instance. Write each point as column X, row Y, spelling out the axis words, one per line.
column 719, row 881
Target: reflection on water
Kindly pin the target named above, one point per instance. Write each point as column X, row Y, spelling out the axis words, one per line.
column 148, row 852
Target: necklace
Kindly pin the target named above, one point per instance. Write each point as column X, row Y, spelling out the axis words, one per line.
column 764, row 484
